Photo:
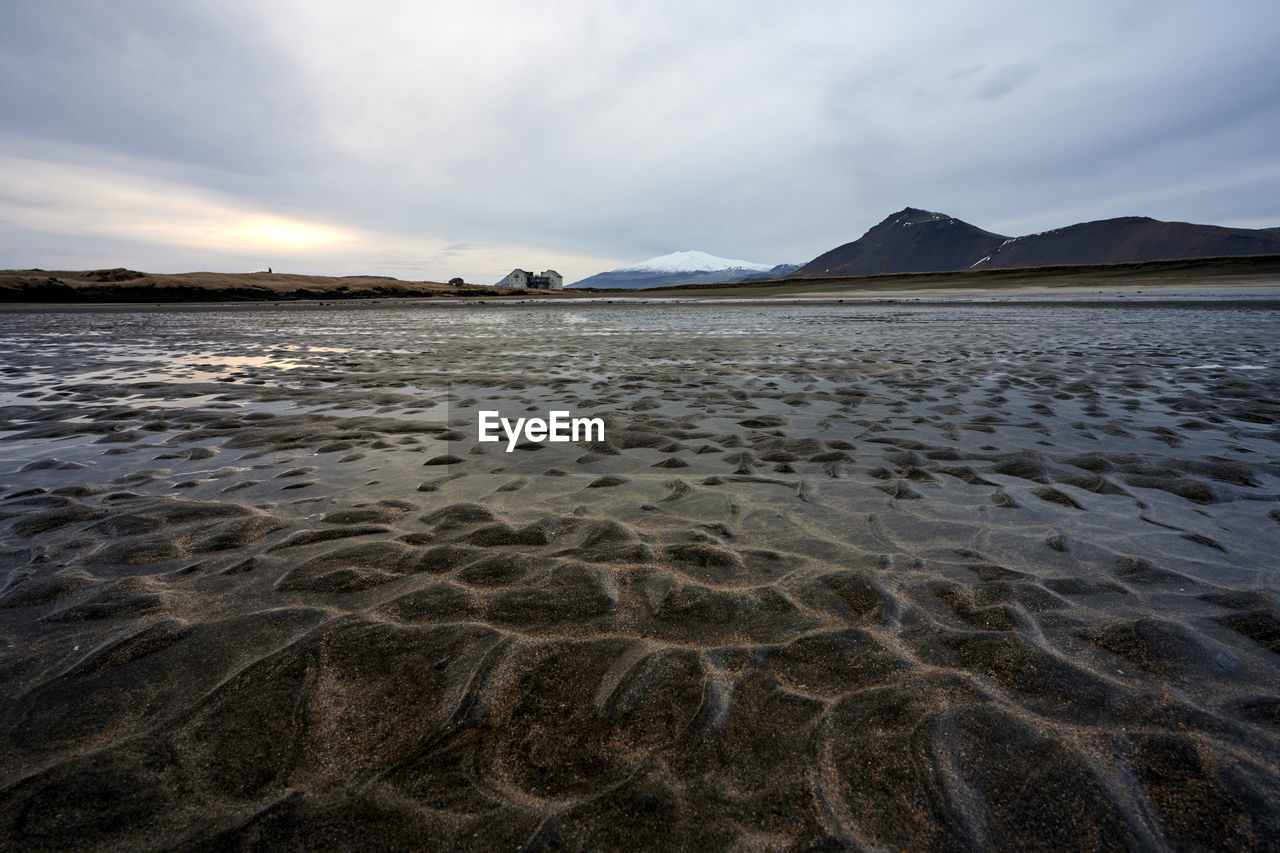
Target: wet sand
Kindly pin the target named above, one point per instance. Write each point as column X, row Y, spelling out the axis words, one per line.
column 839, row 576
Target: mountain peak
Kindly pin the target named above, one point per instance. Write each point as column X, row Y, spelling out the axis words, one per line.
column 914, row 216
column 941, row 242
column 920, row 212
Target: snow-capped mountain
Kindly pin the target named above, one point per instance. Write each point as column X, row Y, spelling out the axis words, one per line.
column 692, row 262
column 681, row 268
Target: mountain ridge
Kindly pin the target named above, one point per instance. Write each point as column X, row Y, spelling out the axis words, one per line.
column 915, row 240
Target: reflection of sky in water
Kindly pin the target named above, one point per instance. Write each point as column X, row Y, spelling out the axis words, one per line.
column 268, row 342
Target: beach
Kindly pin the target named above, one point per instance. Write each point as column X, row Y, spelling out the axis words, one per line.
column 897, row 574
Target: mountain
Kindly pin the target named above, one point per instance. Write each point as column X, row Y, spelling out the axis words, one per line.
column 680, row 268
column 910, row 240
column 1128, row 239
column 914, row 240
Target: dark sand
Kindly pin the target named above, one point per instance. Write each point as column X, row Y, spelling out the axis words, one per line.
column 893, row 577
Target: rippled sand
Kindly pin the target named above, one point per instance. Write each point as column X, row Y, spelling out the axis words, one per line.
column 839, row 576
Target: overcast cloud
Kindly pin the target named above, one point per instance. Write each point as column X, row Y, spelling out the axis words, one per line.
column 426, row 140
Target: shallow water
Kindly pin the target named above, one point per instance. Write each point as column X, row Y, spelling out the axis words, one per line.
column 36, row 346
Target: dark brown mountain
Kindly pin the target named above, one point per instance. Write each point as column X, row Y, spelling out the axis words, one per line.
column 1130, row 238
column 910, row 240
column 920, row 241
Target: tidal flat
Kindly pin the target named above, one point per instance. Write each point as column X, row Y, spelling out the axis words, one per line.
column 926, row 575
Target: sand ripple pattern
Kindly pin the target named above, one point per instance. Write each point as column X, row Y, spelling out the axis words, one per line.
column 903, row 578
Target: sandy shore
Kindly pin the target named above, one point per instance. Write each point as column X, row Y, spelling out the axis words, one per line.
column 839, row 576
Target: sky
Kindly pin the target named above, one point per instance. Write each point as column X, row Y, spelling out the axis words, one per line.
column 427, row 140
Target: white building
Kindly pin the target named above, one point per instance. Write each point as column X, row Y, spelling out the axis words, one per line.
column 545, row 280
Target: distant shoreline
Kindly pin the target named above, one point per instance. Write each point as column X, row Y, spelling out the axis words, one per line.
column 127, row 287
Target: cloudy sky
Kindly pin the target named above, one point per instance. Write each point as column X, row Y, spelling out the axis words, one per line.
column 427, row 140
